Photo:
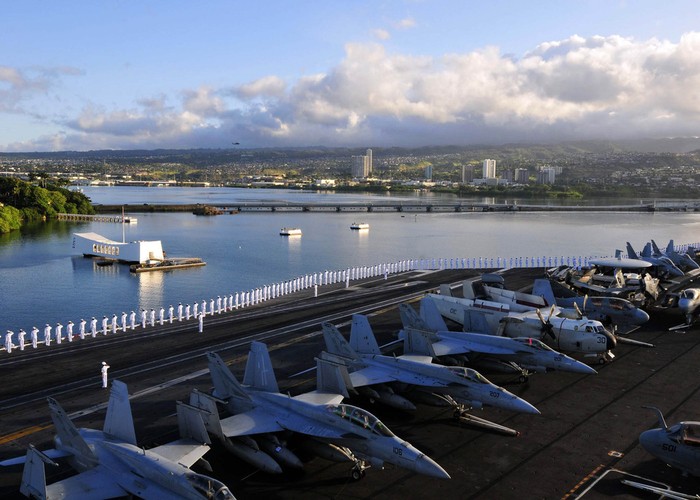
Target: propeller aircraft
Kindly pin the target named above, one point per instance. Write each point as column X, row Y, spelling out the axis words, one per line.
column 583, row 335
column 528, row 354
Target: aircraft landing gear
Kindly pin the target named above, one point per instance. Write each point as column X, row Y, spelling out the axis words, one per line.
column 358, row 471
column 461, row 414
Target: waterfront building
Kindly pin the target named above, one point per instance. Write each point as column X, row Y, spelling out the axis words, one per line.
column 489, row 169
column 521, row 176
column 546, row 175
column 467, row 174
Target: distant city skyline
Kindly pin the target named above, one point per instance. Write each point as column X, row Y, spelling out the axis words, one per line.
column 81, row 75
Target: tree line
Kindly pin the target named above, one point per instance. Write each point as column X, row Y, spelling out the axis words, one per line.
column 22, row 202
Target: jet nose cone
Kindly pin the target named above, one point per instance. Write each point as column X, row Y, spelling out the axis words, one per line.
column 429, row 467
column 611, row 341
column 684, row 305
column 641, row 317
column 646, row 439
column 578, row 367
column 519, row 405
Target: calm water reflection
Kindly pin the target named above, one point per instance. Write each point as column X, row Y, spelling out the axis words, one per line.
column 42, row 280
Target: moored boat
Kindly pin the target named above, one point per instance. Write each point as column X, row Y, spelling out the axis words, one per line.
column 359, row 225
column 290, row 231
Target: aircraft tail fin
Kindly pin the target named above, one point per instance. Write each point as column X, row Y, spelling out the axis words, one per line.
column 119, row 422
column 630, row 252
column 336, row 343
column 190, row 422
column 670, row 248
column 34, row 475
column 431, row 315
column 646, row 251
column 543, row 288
column 417, row 342
column 362, row 338
column 208, row 412
column 475, row 321
column 445, row 290
column 332, row 375
column 259, row 373
column 68, row 434
column 411, row 319
column 225, row 384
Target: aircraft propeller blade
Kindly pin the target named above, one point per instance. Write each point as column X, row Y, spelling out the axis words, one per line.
column 551, row 311
column 578, row 311
column 547, row 327
column 539, row 315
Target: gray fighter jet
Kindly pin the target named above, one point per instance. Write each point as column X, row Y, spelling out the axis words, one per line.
column 414, row 372
column 664, row 265
column 678, row 445
column 530, row 354
column 259, row 408
column 110, row 464
column 684, row 261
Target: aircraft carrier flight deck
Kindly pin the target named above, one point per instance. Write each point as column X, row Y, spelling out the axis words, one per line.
column 581, row 446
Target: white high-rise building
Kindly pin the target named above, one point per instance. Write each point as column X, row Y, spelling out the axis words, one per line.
column 547, row 175
column 362, row 165
column 359, row 167
column 489, row 169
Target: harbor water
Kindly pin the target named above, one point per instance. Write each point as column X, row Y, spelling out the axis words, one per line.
column 43, row 280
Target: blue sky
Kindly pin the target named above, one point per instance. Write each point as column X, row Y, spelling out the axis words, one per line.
column 81, row 75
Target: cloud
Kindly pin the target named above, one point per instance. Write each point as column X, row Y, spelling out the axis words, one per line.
column 269, row 86
column 406, row 23
column 19, row 86
column 381, row 34
column 576, row 88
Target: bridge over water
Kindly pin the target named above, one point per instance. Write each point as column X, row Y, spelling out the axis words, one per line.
column 403, row 206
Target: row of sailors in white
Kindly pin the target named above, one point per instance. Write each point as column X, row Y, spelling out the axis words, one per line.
column 218, row 305
column 243, row 299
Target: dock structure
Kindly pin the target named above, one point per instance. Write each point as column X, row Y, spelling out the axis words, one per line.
column 119, row 219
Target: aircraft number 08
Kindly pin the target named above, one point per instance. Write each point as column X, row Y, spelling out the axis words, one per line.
column 398, row 451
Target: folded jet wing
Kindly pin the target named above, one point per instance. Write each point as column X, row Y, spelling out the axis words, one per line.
column 110, row 464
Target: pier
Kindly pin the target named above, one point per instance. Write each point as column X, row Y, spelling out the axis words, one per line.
column 119, row 219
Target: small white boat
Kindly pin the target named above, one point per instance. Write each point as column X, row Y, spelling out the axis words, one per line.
column 359, row 225
column 290, row 231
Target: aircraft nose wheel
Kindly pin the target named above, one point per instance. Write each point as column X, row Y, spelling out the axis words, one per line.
column 357, row 474
column 358, row 471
